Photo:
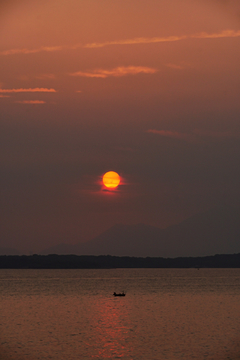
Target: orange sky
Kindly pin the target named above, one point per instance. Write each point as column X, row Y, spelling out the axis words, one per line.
column 149, row 89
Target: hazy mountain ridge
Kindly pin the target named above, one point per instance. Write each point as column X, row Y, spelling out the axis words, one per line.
column 216, row 231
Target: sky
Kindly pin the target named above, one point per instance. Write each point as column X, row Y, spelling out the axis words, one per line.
column 146, row 88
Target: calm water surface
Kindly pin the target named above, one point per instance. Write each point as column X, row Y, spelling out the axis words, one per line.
column 166, row 314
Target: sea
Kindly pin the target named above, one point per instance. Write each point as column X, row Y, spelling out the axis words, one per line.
column 166, row 314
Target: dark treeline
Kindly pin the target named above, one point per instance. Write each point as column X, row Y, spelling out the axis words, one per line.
column 111, row 262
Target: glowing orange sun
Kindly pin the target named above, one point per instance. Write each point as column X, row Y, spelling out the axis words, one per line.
column 111, row 179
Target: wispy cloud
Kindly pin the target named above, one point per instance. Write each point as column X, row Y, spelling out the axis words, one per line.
column 4, row 96
column 117, row 72
column 172, row 134
column 196, row 135
column 222, row 34
column 31, row 102
column 139, row 40
column 144, row 40
column 27, row 90
column 31, row 51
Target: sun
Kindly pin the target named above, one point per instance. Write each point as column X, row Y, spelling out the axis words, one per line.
column 111, row 179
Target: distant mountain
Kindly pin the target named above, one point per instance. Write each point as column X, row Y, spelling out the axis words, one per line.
column 119, row 240
column 214, row 232
column 131, row 240
column 61, row 249
column 8, row 251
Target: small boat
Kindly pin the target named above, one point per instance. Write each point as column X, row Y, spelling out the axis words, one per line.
column 119, row 294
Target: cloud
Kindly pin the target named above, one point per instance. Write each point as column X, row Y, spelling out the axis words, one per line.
column 141, row 40
column 31, row 102
column 32, row 51
column 223, row 34
column 173, row 134
column 117, row 72
column 196, row 135
column 4, row 96
column 27, row 90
